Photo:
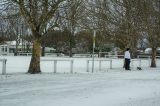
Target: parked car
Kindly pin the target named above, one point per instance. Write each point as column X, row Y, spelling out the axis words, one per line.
column 149, row 50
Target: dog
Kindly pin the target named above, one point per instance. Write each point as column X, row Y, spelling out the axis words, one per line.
column 139, row 68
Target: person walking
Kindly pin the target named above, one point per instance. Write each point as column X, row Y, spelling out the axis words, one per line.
column 127, row 57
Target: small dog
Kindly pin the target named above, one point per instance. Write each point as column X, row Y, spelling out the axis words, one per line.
column 139, row 68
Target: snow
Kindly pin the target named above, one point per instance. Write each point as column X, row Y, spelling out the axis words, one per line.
column 109, row 87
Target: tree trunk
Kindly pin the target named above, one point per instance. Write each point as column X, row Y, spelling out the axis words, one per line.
column 71, row 44
column 153, row 60
column 35, row 60
column 70, row 51
column 134, row 52
column 43, row 51
column 16, row 50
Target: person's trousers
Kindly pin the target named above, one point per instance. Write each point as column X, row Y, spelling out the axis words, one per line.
column 127, row 64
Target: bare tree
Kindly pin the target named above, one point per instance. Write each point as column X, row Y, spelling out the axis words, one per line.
column 150, row 10
column 71, row 17
column 37, row 15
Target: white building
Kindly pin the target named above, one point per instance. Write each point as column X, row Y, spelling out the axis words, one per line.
column 9, row 47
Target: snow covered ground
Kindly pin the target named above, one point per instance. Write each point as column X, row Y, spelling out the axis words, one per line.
column 109, row 87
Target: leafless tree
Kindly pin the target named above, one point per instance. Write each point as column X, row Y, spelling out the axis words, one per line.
column 38, row 15
column 71, row 17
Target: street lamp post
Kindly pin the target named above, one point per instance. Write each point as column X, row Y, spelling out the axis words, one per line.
column 94, row 35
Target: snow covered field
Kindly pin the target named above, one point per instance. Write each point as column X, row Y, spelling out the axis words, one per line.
column 109, row 87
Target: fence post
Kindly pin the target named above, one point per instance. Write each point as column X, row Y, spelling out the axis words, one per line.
column 87, row 66
column 55, row 66
column 149, row 62
column 99, row 65
column 110, row 64
column 132, row 63
column 4, row 67
column 140, row 63
column 71, row 66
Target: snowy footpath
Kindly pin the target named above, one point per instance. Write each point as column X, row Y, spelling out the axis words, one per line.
column 112, row 88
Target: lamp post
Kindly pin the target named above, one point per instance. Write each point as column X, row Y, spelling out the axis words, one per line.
column 94, row 35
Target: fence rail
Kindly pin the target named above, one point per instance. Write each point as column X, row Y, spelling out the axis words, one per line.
column 55, row 64
column 84, row 55
column 100, row 61
column 145, row 56
column 24, row 54
column 114, row 56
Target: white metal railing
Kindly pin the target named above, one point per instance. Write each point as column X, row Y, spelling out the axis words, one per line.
column 55, row 54
column 55, row 61
column 3, row 65
column 145, row 56
column 51, row 54
column 82, row 55
column 100, row 61
column 55, row 64
column 85, row 55
column 139, row 56
column 113, row 56
column 24, row 54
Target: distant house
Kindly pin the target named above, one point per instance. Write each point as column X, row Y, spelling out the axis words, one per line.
column 25, row 48
column 9, row 47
